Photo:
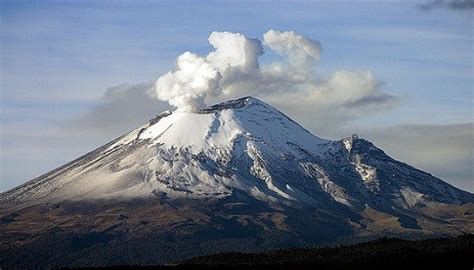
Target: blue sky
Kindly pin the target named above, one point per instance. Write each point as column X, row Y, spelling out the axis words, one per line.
column 59, row 57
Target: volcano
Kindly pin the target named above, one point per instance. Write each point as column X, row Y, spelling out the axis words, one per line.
column 236, row 176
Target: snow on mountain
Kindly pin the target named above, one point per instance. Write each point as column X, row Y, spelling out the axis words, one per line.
column 170, row 150
column 242, row 144
column 236, row 176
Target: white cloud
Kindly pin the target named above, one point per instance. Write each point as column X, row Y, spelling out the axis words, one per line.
column 186, row 87
column 300, row 50
column 195, row 77
column 234, row 50
column 232, row 70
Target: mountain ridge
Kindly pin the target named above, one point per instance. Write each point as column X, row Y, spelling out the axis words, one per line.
column 235, row 176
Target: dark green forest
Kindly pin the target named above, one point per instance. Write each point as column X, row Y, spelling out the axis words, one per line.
column 384, row 253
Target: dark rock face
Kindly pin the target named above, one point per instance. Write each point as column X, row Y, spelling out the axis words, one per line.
column 135, row 201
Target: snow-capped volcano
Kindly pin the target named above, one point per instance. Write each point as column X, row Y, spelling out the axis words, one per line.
column 186, row 154
column 228, row 173
column 241, row 144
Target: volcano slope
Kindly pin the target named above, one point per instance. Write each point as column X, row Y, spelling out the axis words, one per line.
column 236, row 176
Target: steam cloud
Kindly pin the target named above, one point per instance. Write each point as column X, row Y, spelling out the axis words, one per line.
column 299, row 50
column 232, row 70
column 196, row 77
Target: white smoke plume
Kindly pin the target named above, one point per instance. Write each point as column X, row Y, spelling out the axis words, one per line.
column 196, row 77
column 232, row 70
column 299, row 49
column 187, row 86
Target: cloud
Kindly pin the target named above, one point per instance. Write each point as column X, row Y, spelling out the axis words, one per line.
column 327, row 106
column 186, row 87
column 234, row 50
column 443, row 150
column 323, row 104
column 121, row 108
column 450, row 4
column 298, row 49
column 382, row 98
column 232, row 70
column 195, row 77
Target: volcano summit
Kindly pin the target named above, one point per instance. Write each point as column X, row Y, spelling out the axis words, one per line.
column 236, row 176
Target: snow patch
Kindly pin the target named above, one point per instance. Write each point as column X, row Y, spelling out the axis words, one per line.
column 367, row 173
column 412, row 197
column 335, row 191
